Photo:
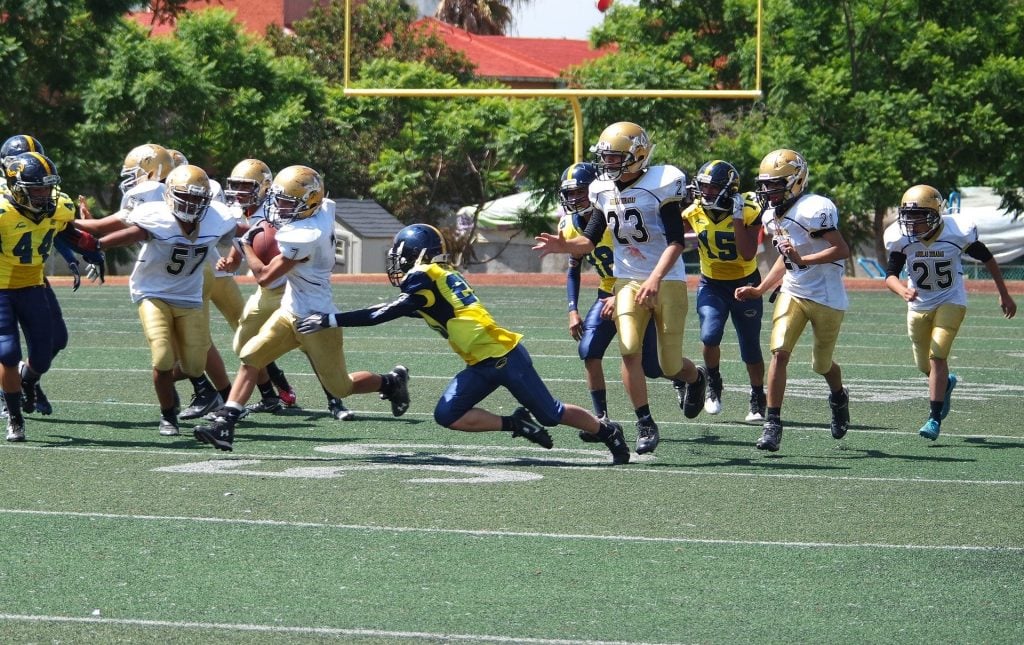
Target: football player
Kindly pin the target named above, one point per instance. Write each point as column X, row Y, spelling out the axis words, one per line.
column 32, row 211
column 931, row 244
column 305, row 235
column 727, row 224
column 144, row 172
column 595, row 332
column 432, row 289
column 35, row 399
column 642, row 206
column 178, row 234
column 810, row 266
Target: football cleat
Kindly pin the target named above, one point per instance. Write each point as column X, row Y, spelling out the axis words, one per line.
column 524, row 425
column 287, row 396
column 616, row 442
column 840, row 414
column 771, row 436
column 693, row 397
column 947, row 401
column 202, row 402
column 713, row 397
column 339, row 411
column 219, row 433
column 758, row 403
column 270, row 404
column 28, row 389
column 647, row 436
column 930, row 429
column 15, row 430
column 43, row 406
column 168, row 428
column 399, row 394
column 592, row 437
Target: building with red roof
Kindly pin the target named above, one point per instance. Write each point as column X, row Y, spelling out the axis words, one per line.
column 521, row 63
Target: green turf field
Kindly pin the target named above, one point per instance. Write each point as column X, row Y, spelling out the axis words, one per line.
column 384, row 530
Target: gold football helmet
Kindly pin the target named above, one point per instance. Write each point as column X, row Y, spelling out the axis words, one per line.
column 177, row 157
column 188, row 193
column 248, row 183
column 297, row 192
column 781, row 179
column 148, row 161
column 921, row 210
column 622, row 149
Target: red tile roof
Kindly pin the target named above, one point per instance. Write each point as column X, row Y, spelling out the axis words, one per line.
column 254, row 15
column 504, row 57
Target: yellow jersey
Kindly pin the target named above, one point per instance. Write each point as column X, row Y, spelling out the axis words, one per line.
column 719, row 256
column 25, row 244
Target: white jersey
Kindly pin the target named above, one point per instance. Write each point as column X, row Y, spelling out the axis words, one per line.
column 170, row 263
column 804, row 224
column 935, row 267
column 634, row 217
column 308, row 290
column 145, row 192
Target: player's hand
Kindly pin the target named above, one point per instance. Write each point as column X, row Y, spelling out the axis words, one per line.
column 608, row 308
column 575, row 325
column 548, row 243
column 76, row 275
column 647, row 295
column 250, row 235
column 737, row 207
column 909, row 294
column 97, row 269
column 1008, row 306
column 746, row 292
column 83, row 208
column 314, row 323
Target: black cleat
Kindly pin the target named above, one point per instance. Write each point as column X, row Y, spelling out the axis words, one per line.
column 713, row 395
column 771, row 437
column 202, row 403
column 647, row 436
column 219, row 433
column 339, row 411
column 270, row 404
column 43, row 406
column 616, row 442
column 840, row 413
column 399, row 393
column 168, row 427
column 758, row 403
column 593, row 438
column 693, row 398
column 526, row 426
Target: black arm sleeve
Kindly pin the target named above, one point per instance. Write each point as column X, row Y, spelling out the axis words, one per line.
column 595, row 227
column 896, row 263
column 405, row 305
column 978, row 251
column 672, row 217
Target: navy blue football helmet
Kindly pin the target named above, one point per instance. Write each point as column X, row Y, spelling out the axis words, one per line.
column 18, row 144
column 574, row 189
column 32, row 179
column 716, row 183
column 415, row 244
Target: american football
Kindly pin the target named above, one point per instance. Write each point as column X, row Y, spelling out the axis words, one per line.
column 264, row 243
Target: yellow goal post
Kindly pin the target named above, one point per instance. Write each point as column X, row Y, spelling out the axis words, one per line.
column 572, row 95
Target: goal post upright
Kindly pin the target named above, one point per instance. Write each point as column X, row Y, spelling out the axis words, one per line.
column 572, row 95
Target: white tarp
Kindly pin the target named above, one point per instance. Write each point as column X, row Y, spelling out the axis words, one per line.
column 1003, row 235
column 503, row 213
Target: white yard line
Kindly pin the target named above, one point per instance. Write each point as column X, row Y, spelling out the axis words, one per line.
column 513, row 534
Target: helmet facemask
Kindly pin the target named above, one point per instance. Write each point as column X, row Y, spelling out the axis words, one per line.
column 781, row 180
column 920, row 212
column 241, row 192
column 188, row 193
column 414, row 245
column 33, row 181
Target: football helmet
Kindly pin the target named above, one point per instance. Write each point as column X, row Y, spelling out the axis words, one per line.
column 717, row 183
column 32, row 180
column 18, row 144
column 177, row 158
column 188, row 193
column 415, row 244
column 574, row 190
column 781, row 179
column 623, row 148
column 148, row 161
column 248, row 183
column 297, row 192
column 920, row 212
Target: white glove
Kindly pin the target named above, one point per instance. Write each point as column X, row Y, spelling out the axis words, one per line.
column 737, row 207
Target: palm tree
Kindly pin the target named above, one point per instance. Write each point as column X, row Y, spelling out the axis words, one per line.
column 485, row 17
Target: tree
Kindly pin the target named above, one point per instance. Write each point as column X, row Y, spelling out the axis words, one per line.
column 484, row 17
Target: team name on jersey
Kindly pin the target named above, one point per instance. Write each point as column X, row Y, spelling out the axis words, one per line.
column 622, row 200
column 929, row 254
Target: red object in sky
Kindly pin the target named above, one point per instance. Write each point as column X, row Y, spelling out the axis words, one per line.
column 604, row 5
